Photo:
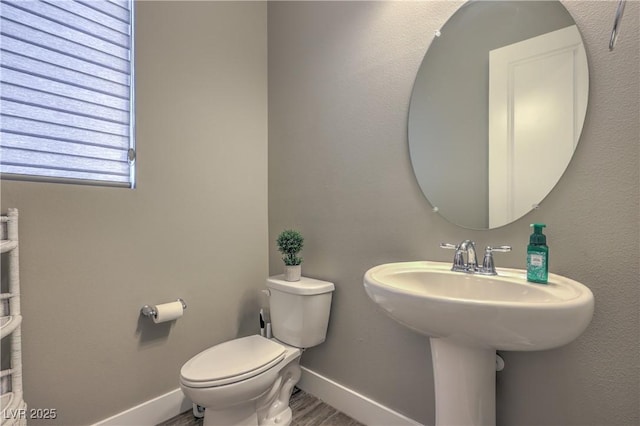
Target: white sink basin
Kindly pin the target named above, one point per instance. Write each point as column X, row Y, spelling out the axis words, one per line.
column 469, row 316
column 504, row 311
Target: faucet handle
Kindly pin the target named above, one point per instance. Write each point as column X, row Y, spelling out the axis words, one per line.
column 499, row 248
column 449, row 246
column 458, row 258
column 488, row 267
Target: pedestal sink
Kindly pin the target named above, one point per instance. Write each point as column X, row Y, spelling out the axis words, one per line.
column 470, row 316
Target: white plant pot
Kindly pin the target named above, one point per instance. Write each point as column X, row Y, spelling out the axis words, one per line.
column 292, row 273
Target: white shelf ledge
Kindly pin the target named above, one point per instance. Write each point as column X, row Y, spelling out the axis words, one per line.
column 8, row 324
column 7, row 245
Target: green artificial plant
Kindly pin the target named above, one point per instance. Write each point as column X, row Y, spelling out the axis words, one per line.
column 290, row 243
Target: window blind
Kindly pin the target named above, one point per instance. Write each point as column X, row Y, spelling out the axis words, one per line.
column 66, row 90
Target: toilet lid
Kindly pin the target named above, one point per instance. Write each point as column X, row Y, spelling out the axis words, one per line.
column 232, row 361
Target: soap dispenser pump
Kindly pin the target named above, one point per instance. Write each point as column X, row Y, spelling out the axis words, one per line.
column 538, row 256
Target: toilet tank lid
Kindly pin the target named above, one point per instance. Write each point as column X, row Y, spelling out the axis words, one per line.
column 306, row 286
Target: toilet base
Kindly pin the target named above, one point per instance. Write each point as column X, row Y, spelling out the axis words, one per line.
column 274, row 407
column 245, row 416
column 237, row 416
column 282, row 419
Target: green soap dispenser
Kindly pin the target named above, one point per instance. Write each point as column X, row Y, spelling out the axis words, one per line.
column 538, row 256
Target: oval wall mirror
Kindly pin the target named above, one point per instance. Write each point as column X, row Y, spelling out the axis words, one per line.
column 497, row 110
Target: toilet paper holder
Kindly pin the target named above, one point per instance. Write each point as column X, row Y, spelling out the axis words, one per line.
column 150, row 310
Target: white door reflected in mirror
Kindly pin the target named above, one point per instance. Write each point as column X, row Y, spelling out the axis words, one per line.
column 537, row 105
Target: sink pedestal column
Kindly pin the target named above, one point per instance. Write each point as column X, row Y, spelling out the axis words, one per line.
column 465, row 383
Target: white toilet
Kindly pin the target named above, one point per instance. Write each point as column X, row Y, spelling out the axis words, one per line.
column 248, row 381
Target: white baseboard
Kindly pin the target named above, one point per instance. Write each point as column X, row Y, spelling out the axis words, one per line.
column 350, row 402
column 151, row 412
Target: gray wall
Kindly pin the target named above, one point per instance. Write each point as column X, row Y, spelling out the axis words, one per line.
column 340, row 79
column 196, row 226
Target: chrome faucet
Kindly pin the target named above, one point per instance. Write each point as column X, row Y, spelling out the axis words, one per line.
column 459, row 262
column 469, row 247
column 470, row 265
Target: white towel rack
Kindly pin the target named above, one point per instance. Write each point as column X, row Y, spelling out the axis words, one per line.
column 14, row 409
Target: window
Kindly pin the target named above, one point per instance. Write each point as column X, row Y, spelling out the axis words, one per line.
column 66, row 91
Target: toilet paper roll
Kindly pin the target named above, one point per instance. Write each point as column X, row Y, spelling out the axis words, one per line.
column 168, row 312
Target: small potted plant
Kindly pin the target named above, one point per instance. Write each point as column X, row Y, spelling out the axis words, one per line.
column 290, row 243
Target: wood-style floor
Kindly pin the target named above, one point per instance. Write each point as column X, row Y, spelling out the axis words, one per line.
column 307, row 411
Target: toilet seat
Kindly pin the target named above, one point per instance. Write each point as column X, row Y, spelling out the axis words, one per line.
column 231, row 362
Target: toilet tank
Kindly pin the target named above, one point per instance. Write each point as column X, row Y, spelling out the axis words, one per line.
column 299, row 310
